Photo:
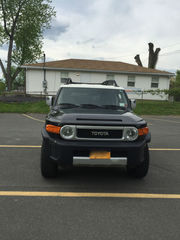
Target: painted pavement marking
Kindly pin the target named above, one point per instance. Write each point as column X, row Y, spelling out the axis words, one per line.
column 89, row 195
column 19, row 146
column 38, row 146
column 35, row 119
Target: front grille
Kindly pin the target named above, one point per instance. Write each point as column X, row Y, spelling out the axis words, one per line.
column 100, row 133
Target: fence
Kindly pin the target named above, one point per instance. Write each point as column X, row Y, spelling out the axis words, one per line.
column 146, row 94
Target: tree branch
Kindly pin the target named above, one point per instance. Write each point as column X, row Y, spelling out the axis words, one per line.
column 151, row 55
column 157, row 51
column 4, row 18
column 3, row 68
column 155, row 58
column 151, row 47
column 19, row 9
column 18, row 70
column 16, row 17
column 138, row 60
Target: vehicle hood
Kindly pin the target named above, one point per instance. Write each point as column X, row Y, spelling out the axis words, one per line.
column 94, row 117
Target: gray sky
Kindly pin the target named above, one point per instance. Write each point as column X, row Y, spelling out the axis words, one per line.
column 114, row 30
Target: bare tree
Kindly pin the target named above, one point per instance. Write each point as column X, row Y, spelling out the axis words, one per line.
column 153, row 57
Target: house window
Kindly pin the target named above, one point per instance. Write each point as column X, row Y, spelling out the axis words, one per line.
column 155, row 82
column 64, row 76
column 131, row 81
column 110, row 77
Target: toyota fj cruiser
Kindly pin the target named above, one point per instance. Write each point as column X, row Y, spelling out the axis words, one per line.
column 93, row 125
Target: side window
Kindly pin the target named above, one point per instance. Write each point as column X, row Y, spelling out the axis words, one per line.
column 121, row 100
column 64, row 76
column 155, row 82
column 131, row 81
column 110, row 77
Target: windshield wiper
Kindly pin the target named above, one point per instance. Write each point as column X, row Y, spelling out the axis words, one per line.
column 68, row 105
column 113, row 107
column 88, row 105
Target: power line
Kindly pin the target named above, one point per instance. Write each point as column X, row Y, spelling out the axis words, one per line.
column 143, row 53
column 166, row 54
column 171, row 53
column 172, row 45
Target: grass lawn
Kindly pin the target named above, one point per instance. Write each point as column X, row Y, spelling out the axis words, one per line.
column 25, row 107
column 143, row 107
column 146, row 107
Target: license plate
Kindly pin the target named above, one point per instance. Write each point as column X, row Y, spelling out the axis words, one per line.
column 100, row 155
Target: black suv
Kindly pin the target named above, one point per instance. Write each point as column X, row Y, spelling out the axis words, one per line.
column 93, row 125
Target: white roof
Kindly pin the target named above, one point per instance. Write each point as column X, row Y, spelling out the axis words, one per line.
column 83, row 85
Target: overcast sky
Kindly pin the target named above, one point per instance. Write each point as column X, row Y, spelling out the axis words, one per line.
column 114, row 30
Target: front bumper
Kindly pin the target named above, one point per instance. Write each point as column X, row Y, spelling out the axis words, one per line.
column 68, row 153
column 87, row 161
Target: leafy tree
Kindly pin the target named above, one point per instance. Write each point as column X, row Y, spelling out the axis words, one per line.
column 19, row 81
column 2, row 86
column 22, row 23
column 177, row 81
column 173, row 91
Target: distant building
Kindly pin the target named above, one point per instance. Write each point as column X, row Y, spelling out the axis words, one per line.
column 131, row 77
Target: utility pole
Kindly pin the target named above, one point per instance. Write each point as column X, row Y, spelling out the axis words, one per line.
column 44, row 83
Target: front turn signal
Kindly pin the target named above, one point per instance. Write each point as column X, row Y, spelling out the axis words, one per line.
column 143, row 131
column 53, row 129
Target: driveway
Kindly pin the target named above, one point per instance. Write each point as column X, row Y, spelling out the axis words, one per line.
column 87, row 203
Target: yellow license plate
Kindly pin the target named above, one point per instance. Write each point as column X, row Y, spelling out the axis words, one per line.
column 100, row 155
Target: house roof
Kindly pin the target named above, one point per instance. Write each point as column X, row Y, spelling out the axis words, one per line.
column 96, row 66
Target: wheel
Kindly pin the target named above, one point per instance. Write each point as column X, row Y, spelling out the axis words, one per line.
column 49, row 169
column 140, row 170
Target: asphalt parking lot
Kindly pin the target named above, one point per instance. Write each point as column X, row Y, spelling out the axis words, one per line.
column 87, row 203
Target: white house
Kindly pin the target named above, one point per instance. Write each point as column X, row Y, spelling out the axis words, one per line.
column 132, row 77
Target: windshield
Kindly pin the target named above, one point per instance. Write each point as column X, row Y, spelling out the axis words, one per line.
column 92, row 97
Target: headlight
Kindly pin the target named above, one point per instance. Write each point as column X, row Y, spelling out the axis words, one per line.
column 68, row 132
column 130, row 134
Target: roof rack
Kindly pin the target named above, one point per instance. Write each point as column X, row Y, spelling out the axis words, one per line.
column 110, row 83
column 68, row 81
column 106, row 83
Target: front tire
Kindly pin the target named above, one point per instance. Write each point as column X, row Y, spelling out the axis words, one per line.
column 49, row 169
column 140, row 170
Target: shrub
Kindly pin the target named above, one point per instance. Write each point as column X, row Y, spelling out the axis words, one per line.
column 175, row 92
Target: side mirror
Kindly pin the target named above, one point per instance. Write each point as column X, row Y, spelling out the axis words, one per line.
column 49, row 100
column 133, row 103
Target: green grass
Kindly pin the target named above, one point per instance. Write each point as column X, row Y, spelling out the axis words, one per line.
column 25, row 107
column 142, row 108
column 157, row 108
